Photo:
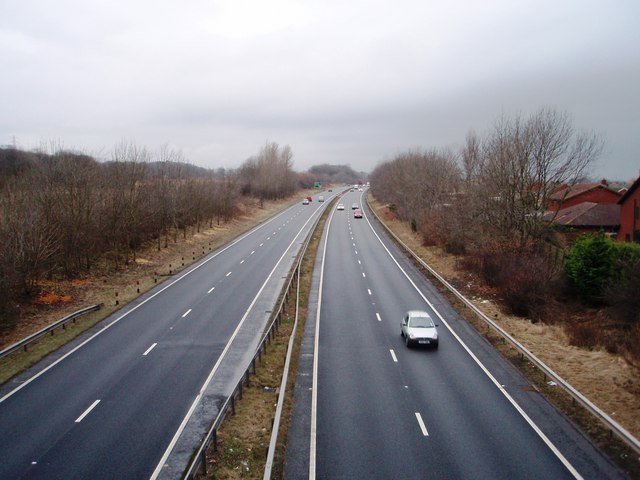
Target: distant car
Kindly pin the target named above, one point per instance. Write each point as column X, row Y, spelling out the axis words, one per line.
column 354, row 206
column 357, row 213
column 310, row 199
column 340, row 206
column 331, row 189
column 320, row 198
column 417, row 328
column 305, row 202
column 352, row 190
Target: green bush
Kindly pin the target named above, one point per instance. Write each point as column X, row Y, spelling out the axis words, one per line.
column 623, row 292
column 590, row 265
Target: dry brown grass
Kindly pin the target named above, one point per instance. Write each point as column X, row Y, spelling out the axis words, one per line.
column 607, row 380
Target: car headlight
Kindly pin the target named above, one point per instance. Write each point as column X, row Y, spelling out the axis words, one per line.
column 412, row 336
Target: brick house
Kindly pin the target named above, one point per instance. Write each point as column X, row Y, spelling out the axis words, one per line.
column 566, row 197
column 630, row 214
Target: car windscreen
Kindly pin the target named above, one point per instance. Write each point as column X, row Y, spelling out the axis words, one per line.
column 421, row 322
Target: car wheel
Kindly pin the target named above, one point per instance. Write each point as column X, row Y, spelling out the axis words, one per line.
column 435, row 346
column 406, row 341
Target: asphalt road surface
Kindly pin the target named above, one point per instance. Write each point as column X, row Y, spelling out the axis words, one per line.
column 114, row 403
column 369, row 407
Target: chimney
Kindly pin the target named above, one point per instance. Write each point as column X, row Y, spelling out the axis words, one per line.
column 604, row 182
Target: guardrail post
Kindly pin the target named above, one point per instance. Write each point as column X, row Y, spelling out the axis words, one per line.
column 203, row 461
column 233, row 403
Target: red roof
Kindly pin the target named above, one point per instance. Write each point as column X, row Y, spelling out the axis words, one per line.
column 588, row 214
column 565, row 193
column 630, row 191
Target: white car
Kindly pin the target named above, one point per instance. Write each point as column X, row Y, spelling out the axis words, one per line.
column 340, row 206
column 417, row 328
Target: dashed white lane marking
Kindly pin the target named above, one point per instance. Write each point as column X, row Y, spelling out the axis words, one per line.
column 378, row 317
column 268, row 238
column 241, row 262
column 393, row 355
column 211, row 289
column 261, row 244
column 354, row 244
column 369, row 290
column 228, row 274
column 252, row 252
column 359, row 262
column 86, row 412
column 149, row 349
column 421, row 423
column 186, row 313
column 356, row 252
column 364, row 275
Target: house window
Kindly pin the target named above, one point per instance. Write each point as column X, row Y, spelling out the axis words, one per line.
column 636, row 212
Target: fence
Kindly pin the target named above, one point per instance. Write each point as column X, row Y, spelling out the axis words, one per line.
column 50, row 329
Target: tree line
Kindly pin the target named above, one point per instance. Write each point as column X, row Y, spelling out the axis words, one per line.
column 62, row 212
column 487, row 200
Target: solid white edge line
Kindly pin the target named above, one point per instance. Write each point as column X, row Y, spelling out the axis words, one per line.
column 183, row 424
column 540, row 433
column 186, row 313
column 86, row 412
column 106, row 327
column 393, row 355
column 149, row 349
column 316, row 346
column 422, row 426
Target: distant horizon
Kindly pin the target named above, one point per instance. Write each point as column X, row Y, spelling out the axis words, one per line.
column 590, row 178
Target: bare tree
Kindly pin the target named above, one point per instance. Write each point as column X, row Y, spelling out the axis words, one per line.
column 270, row 174
column 511, row 175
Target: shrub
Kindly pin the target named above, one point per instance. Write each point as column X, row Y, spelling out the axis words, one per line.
column 589, row 266
column 623, row 292
column 583, row 335
column 525, row 280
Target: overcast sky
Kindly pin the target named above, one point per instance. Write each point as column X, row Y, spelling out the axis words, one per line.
column 340, row 81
